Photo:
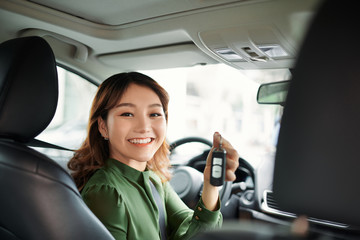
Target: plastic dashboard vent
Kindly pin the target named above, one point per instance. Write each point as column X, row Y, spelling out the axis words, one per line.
column 270, row 205
column 271, row 202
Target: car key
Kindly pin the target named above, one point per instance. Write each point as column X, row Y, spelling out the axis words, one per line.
column 218, row 165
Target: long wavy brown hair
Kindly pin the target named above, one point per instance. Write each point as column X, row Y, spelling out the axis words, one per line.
column 95, row 150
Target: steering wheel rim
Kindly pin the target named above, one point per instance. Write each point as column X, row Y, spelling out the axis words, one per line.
column 185, row 140
column 225, row 190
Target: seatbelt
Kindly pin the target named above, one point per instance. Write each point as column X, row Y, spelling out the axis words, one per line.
column 160, row 206
column 42, row 144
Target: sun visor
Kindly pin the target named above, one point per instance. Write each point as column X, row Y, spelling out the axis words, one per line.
column 179, row 55
column 250, row 47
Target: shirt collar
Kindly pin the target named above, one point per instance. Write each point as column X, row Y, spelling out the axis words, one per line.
column 127, row 171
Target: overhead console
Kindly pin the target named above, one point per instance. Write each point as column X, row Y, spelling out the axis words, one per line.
column 258, row 46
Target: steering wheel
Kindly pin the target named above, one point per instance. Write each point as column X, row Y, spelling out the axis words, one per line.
column 187, row 180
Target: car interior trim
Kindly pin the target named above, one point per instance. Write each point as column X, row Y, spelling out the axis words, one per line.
column 267, row 207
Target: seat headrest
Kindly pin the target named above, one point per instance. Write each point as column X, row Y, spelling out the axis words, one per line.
column 317, row 164
column 28, row 88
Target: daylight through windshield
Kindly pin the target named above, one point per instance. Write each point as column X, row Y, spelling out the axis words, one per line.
column 203, row 99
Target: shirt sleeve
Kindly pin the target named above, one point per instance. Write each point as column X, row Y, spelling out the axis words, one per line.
column 183, row 222
column 105, row 203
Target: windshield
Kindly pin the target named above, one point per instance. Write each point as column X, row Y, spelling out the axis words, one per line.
column 203, row 99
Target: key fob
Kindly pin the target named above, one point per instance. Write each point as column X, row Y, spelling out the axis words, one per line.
column 218, row 165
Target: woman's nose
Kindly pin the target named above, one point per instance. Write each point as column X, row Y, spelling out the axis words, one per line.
column 142, row 124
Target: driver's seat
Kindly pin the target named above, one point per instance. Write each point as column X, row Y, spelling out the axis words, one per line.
column 39, row 199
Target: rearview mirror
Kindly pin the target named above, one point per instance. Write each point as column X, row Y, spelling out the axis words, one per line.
column 273, row 93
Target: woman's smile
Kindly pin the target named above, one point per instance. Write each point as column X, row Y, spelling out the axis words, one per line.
column 141, row 141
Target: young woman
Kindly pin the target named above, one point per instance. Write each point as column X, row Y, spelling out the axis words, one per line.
column 125, row 154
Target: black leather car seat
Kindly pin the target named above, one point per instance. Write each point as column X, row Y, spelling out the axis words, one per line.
column 317, row 165
column 39, row 199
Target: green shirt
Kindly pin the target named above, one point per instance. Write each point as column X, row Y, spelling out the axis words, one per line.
column 121, row 197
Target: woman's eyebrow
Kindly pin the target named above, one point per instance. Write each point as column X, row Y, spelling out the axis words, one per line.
column 133, row 105
column 156, row 105
column 125, row 105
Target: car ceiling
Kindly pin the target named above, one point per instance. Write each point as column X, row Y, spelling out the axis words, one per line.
column 110, row 12
column 100, row 38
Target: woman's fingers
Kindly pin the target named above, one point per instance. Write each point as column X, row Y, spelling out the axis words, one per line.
column 230, row 175
column 232, row 163
column 232, row 156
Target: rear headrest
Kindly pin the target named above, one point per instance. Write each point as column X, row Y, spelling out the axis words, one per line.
column 28, row 87
column 317, row 165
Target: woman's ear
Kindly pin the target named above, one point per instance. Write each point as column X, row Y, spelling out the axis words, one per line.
column 102, row 128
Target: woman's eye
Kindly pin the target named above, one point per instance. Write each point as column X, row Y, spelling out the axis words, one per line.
column 155, row 115
column 126, row 115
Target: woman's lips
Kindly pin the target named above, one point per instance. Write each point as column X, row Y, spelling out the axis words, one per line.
column 141, row 141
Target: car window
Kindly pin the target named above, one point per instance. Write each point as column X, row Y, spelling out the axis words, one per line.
column 203, row 99
column 68, row 127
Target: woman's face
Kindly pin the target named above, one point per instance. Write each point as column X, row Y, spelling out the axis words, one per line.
column 136, row 127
